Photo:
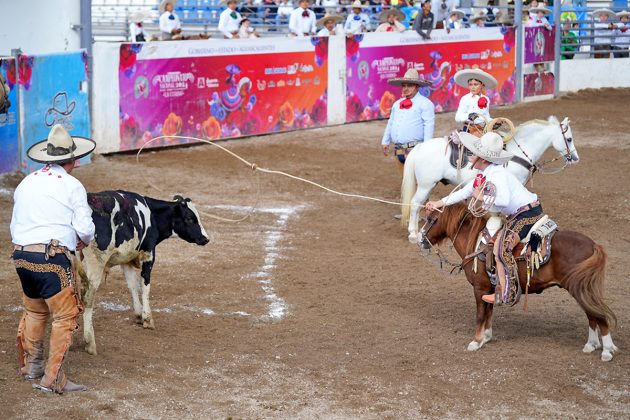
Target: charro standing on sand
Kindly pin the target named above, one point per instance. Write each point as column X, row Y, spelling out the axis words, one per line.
column 412, row 119
column 51, row 220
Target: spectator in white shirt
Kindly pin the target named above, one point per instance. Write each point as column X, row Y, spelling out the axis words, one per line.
column 603, row 32
column 136, row 29
column 540, row 18
column 284, row 11
column 441, row 10
column 456, row 20
column 245, row 30
column 390, row 21
column 357, row 21
column 621, row 41
column 328, row 22
column 229, row 20
column 169, row 21
column 302, row 21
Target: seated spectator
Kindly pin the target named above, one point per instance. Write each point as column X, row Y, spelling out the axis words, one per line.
column 455, row 20
column 441, row 10
column 249, row 9
column 621, row 41
column 477, row 21
column 229, row 21
column 170, row 24
column 330, row 6
column 270, row 12
column 302, row 21
column 284, row 11
column 540, row 18
column 532, row 5
column 328, row 22
column 423, row 22
column 357, row 21
column 603, row 32
column 568, row 42
column 136, row 30
column 390, row 21
column 245, row 30
column 491, row 13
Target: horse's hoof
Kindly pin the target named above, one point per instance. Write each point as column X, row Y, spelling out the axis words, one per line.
column 606, row 356
column 590, row 347
column 413, row 238
column 473, row 346
column 148, row 324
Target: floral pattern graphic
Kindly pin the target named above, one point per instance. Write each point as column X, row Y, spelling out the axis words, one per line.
column 286, row 116
column 25, row 70
column 385, row 104
column 211, row 129
column 172, row 125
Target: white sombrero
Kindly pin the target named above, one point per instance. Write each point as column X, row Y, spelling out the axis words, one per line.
column 543, row 9
column 60, row 146
column 356, row 4
column 400, row 16
column 488, row 147
column 463, row 76
column 622, row 14
column 412, row 77
column 165, row 2
column 597, row 13
column 138, row 16
column 458, row 12
column 475, row 18
column 335, row 18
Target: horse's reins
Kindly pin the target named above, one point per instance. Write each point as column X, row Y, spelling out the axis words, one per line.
column 444, row 259
column 532, row 167
column 255, row 168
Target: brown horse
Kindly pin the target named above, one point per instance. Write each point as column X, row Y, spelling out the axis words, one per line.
column 577, row 264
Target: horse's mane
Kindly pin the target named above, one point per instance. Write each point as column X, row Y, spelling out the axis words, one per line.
column 527, row 128
column 454, row 214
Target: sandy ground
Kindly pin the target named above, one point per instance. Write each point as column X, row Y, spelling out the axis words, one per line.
column 317, row 306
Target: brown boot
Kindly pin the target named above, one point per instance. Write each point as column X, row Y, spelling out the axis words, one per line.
column 30, row 338
column 65, row 311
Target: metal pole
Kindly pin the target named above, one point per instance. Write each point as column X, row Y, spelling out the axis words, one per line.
column 557, row 24
column 86, row 43
column 15, row 53
column 518, row 25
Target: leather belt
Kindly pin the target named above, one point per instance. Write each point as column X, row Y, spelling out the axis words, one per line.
column 30, row 248
column 408, row 145
column 526, row 207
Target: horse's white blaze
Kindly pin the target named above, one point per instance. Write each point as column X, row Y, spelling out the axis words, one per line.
column 593, row 341
column 609, row 348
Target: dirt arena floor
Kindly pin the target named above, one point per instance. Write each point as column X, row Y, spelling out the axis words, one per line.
column 317, row 306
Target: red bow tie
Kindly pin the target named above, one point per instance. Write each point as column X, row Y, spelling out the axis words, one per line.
column 406, row 103
column 623, row 30
column 391, row 29
column 539, row 21
column 482, row 102
column 479, row 180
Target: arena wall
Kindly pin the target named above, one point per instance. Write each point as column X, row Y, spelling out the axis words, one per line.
column 40, row 26
column 594, row 74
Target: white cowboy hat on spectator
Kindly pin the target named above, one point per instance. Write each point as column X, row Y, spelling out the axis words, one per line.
column 475, row 18
column 622, row 14
column 226, row 2
column 356, row 4
column 335, row 18
column 60, row 146
column 165, row 2
column 597, row 13
column 488, row 147
column 400, row 16
column 463, row 76
column 543, row 9
column 137, row 16
column 457, row 12
column 411, row 77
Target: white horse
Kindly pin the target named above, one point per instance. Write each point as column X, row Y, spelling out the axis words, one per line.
column 428, row 163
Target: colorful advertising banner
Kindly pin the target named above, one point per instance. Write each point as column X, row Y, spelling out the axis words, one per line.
column 539, row 45
column 53, row 90
column 373, row 58
column 216, row 90
column 9, row 147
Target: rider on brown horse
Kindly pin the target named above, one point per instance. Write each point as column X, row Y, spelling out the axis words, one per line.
column 521, row 207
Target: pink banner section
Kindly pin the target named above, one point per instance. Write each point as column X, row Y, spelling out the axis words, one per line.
column 373, row 58
column 539, row 45
column 218, row 90
column 539, row 83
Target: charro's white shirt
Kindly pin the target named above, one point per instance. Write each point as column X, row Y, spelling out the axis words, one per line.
column 51, row 204
column 227, row 24
column 300, row 25
column 468, row 104
column 167, row 25
column 511, row 194
column 134, row 31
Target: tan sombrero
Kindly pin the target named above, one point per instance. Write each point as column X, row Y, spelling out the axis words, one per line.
column 475, row 18
column 165, row 2
column 138, row 16
column 488, row 147
column 463, row 76
column 60, row 146
column 457, row 12
column 597, row 13
column 412, row 77
column 356, row 4
column 400, row 16
column 335, row 18
column 622, row 14
column 543, row 9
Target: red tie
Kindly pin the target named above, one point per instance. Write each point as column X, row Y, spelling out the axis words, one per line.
column 406, row 103
column 389, row 29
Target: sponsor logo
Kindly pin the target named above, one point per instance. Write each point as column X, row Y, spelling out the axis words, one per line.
column 290, row 82
column 261, row 84
column 271, row 85
column 280, row 83
column 316, row 81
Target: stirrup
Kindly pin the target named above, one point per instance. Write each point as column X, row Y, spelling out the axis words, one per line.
column 43, row 388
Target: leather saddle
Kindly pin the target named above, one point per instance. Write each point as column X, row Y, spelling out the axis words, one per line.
column 453, row 150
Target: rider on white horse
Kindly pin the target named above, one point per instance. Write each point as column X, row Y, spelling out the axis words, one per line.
column 520, row 206
column 412, row 119
column 474, row 107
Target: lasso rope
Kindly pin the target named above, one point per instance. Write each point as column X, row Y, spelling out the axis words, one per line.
column 255, row 168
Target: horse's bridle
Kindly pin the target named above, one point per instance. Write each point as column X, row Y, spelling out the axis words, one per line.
column 567, row 141
column 443, row 259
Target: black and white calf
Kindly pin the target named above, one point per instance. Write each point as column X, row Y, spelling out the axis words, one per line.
column 128, row 228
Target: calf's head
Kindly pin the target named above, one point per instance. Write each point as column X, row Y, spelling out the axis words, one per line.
column 187, row 223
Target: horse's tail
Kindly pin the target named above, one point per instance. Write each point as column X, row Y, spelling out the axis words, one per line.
column 408, row 187
column 585, row 282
